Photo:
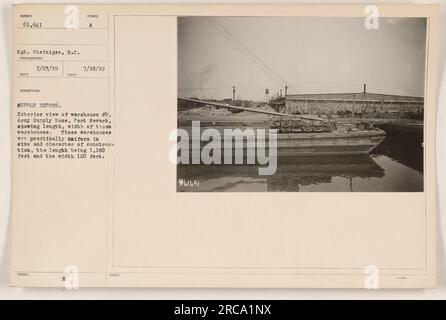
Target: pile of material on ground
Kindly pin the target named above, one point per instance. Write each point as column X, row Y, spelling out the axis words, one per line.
column 382, row 114
column 261, row 108
column 286, row 125
column 206, row 111
column 364, row 125
column 394, row 115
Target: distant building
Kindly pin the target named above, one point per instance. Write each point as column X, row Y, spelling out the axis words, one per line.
column 364, row 103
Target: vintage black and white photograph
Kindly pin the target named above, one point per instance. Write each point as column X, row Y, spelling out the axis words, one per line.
column 316, row 104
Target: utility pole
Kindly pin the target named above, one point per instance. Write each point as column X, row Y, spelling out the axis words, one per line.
column 363, row 99
column 353, row 108
column 286, row 89
column 233, row 93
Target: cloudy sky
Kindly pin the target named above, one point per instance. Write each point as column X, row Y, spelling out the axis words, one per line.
column 310, row 55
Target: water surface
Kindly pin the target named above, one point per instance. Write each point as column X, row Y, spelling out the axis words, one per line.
column 396, row 165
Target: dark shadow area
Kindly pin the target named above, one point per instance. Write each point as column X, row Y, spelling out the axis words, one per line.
column 404, row 144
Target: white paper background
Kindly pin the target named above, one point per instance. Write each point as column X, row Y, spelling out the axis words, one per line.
column 35, row 293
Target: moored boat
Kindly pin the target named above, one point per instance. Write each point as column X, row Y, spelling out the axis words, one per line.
column 329, row 143
column 297, row 135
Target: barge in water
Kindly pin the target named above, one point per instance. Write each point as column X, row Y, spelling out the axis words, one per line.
column 299, row 135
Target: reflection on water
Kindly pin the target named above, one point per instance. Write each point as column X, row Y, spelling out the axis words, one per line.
column 396, row 165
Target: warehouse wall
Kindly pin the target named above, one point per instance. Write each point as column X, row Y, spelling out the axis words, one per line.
column 368, row 105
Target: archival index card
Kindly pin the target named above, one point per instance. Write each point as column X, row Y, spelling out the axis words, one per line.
column 224, row 146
